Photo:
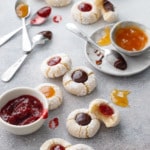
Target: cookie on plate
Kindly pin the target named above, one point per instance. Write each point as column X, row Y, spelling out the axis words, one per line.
column 108, row 11
column 79, row 81
column 56, row 65
column 52, row 93
column 82, row 124
column 105, row 112
column 79, row 147
column 58, row 3
column 85, row 12
column 55, row 143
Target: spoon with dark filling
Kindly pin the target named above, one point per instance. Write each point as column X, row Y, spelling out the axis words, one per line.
column 40, row 38
column 112, row 56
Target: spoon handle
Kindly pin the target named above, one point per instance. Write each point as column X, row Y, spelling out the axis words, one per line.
column 73, row 28
column 11, row 71
column 8, row 36
column 26, row 44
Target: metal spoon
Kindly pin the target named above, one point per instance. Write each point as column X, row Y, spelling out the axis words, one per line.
column 37, row 19
column 112, row 56
column 26, row 44
column 39, row 38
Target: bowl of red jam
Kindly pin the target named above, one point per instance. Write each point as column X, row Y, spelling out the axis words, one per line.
column 23, row 110
column 130, row 38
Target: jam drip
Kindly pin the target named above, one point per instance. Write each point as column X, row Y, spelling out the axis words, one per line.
column 83, row 119
column 54, row 61
column 22, row 110
column 57, row 147
column 106, row 110
column 85, row 7
column 79, row 76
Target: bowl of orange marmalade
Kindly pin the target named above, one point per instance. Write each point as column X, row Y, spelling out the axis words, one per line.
column 130, row 38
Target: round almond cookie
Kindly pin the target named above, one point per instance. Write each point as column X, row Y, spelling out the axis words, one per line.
column 82, row 124
column 80, row 147
column 79, row 81
column 58, row 3
column 105, row 112
column 85, row 12
column 52, row 93
column 56, row 65
column 55, row 144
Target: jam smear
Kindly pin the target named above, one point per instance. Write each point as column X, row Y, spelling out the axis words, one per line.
column 85, row 7
column 120, row 63
column 106, row 110
column 57, row 19
column 22, row 110
column 105, row 39
column 48, row 91
column 83, row 119
column 119, row 97
column 57, row 147
column 131, row 38
column 54, row 61
column 79, row 76
column 54, row 123
column 108, row 6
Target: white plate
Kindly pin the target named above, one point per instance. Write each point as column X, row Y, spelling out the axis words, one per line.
column 135, row 64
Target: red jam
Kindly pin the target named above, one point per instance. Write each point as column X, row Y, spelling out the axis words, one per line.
column 54, row 61
column 57, row 147
column 106, row 110
column 57, row 19
column 79, row 76
column 41, row 16
column 85, row 7
column 54, row 123
column 44, row 12
column 22, row 110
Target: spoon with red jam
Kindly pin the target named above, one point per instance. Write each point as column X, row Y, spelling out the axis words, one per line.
column 40, row 38
column 40, row 17
column 112, row 56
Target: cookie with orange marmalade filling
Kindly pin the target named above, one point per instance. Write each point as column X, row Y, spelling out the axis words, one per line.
column 105, row 112
column 55, row 144
column 52, row 93
column 82, row 124
column 56, row 65
column 85, row 12
column 79, row 81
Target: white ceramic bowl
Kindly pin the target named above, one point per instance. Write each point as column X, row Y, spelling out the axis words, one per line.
column 31, row 127
column 123, row 24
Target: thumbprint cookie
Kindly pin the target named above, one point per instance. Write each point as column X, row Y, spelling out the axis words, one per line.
column 56, row 65
column 85, row 12
column 79, row 81
column 52, row 93
column 82, row 124
column 55, row 144
column 105, row 112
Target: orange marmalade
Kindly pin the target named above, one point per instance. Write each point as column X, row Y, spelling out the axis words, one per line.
column 131, row 38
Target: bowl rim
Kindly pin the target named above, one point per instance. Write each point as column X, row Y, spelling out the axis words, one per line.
column 44, row 103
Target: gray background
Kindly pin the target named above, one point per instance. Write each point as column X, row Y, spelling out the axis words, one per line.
column 133, row 132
